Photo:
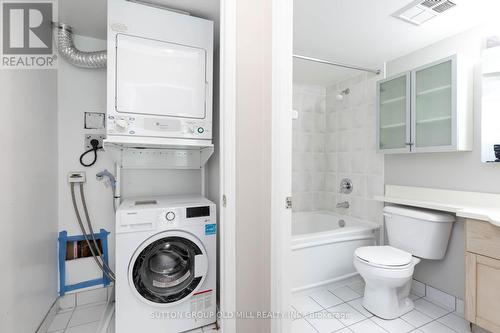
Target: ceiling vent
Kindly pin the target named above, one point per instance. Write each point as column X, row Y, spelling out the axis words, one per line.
column 421, row 11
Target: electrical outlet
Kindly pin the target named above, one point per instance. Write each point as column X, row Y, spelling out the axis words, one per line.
column 90, row 137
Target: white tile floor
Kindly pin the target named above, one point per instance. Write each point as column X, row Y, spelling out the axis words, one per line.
column 338, row 308
column 81, row 319
column 85, row 319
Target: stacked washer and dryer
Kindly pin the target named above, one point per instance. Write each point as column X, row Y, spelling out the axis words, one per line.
column 160, row 67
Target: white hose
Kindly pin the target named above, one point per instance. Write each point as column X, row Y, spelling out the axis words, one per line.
column 102, row 265
column 91, row 231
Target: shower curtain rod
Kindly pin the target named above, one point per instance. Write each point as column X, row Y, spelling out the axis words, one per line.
column 338, row 64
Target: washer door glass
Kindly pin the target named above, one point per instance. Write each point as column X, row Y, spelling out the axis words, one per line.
column 164, row 272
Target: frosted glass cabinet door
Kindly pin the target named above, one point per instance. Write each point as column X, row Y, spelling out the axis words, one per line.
column 433, row 110
column 393, row 96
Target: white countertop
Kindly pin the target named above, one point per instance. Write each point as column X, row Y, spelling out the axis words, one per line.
column 472, row 205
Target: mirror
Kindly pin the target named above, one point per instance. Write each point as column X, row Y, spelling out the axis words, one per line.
column 490, row 109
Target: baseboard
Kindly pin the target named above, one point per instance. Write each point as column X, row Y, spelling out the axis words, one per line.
column 324, row 283
column 49, row 317
column 439, row 297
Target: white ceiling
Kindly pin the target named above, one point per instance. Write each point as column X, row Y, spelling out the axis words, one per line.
column 363, row 32
column 359, row 32
column 88, row 17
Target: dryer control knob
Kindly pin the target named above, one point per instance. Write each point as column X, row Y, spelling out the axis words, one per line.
column 170, row 216
column 121, row 124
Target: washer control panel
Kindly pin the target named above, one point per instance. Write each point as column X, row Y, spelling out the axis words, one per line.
column 178, row 216
column 165, row 213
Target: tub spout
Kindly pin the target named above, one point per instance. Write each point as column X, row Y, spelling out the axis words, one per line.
column 343, row 204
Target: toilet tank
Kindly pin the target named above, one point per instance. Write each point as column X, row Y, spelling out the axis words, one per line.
column 423, row 233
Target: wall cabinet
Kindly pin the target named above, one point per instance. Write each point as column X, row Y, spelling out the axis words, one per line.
column 427, row 109
column 482, row 270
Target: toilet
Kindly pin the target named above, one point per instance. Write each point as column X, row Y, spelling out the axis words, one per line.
column 413, row 234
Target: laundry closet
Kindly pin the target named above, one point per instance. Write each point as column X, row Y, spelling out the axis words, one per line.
column 138, row 113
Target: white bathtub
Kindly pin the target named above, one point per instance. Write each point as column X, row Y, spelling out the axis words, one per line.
column 322, row 250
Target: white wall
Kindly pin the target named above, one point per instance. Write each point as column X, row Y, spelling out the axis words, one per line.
column 253, row 161
column 28, row 201
column 455, row 171
column 82, row 90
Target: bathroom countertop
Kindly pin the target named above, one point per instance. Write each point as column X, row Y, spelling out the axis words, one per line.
column 472, row 205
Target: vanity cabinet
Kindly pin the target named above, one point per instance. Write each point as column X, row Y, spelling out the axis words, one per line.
column 427, row 109
column 482, row 275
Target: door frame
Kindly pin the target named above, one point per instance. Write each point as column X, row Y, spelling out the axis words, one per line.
column 281, row 169
column 227, row 181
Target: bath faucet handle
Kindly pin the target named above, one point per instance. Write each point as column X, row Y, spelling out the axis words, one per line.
column 346, row 186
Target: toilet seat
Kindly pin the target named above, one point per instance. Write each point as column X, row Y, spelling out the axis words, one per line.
column 387, row 257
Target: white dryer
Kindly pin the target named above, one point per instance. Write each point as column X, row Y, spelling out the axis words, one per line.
column 165, row 264
column 160, row 76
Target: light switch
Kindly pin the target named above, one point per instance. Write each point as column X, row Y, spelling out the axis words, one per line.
column 94, row 120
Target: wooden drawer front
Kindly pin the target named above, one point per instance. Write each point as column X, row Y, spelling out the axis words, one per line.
column 483, row 238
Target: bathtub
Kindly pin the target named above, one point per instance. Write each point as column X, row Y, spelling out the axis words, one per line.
column 323, row 245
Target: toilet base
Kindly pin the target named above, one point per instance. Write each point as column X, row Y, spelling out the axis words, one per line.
column 387, row 303
column 387, row 290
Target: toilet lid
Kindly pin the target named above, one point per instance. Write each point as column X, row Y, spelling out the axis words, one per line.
column 383, row 255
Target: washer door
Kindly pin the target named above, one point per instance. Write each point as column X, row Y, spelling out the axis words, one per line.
column 168, row 268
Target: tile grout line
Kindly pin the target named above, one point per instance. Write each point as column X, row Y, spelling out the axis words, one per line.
column 70, row 317
column 417, row 327
column 308, row 323
column 433, row 320
column 345, row 326
column 437, row 319
column 91, row 322
column 348, row 286
column 381, row 326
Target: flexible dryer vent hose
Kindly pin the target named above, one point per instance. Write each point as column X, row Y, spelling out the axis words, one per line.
column 68, row 51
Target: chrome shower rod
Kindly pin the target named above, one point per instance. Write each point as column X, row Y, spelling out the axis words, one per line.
column 338, row 64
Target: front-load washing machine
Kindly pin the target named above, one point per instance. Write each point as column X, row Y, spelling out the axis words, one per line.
column 165, row 264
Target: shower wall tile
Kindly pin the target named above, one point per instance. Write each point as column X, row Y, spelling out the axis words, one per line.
column 331, row 162
column 344, row 162
column 358, row 162
column 335, row 139
column 354, row 133
column 344, row 141
column 309, row 158
column 330, row 182
column 359, row 116
column 331, row 142
column 375, row 163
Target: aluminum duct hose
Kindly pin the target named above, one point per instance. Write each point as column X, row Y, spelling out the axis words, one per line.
column 68, row 51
